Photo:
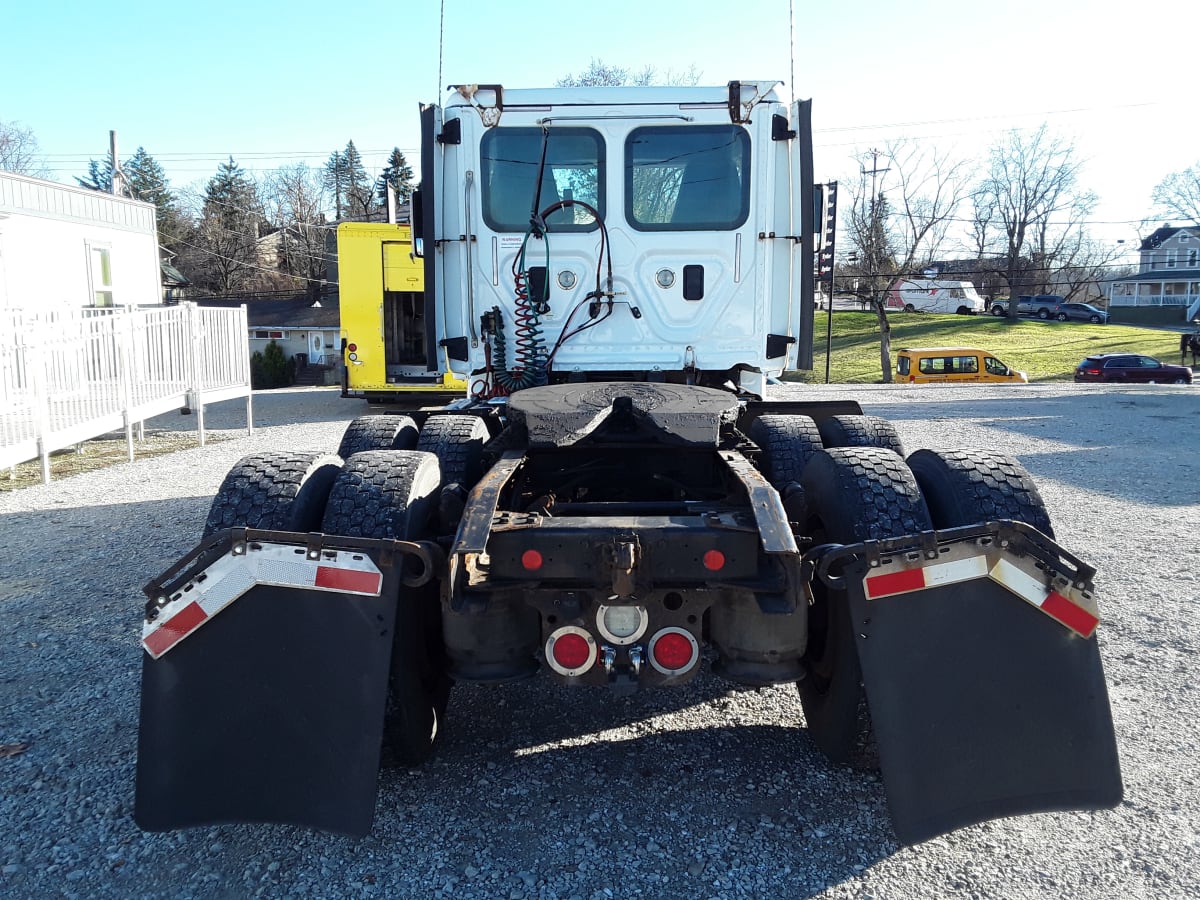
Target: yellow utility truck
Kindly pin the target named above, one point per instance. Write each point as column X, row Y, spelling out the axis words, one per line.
column 387, row 347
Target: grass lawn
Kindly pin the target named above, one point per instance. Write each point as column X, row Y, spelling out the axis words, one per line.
column 1045, row 351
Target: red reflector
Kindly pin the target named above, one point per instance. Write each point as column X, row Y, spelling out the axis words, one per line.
column 1074, row 617
column 348, row 580
column 714, row 560
column 353, row 348
column 673, row 651
column 572, row 651
column 176, row 629
column 532, row 560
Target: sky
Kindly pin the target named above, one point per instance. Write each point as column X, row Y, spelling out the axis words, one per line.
column 272, row 83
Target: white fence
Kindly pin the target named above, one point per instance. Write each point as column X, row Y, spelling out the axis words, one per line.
column 66, row 377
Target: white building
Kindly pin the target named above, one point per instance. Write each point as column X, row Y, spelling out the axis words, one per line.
column 65, row 247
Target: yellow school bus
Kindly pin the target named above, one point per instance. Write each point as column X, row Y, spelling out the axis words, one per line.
column 388, row 342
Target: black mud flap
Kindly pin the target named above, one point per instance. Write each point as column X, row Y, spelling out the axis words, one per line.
column 271, row 712
column 983, row 705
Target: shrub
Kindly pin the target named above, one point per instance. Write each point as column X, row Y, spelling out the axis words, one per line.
column 271, row 369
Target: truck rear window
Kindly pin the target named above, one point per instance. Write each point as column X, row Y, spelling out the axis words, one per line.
column 687, row 177
column 511, row 159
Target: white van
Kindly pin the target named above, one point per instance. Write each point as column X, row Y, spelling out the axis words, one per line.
column 933, row 295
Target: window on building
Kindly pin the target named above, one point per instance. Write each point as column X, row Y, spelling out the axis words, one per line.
column 270, row 335
column 1172, row 258
column 100, row 275
column 1192, row 259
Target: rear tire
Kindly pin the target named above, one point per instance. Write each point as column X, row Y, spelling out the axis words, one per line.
column 908, row 307
column 388, row 432
column 966, row 487
column 457, row 442
column 854, row 494
column 390, row 494
column 1043, row 313
column 963, row 311
column 787, row 444
column 1062, row 317
column 860, row 431
column 274, row 491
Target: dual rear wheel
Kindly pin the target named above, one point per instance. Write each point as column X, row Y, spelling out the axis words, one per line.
column 387, row 487
column 857, row 487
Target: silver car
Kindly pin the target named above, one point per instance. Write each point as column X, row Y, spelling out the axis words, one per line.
column 1081, row 312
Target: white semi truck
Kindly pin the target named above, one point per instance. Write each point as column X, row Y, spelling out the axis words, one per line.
column 618, row 274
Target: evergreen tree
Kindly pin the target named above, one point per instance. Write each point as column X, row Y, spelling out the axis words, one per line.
column 360, row 189
column 144, row 180
column 334, row 180
column 397, row 174
column 99, row 176
column 229, row 228
column 147, row 181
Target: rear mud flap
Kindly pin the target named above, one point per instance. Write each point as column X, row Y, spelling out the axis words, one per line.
column 273, row 710
column 983, row 705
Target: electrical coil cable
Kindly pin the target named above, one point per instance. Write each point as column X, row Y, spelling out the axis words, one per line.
column 529, row 355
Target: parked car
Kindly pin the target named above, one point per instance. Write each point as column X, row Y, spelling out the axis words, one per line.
column 1081, row 312
column 1131, row 367
column 953, row 365
column 1041, row 305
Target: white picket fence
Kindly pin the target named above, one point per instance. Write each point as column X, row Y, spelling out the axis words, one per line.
column 67, row 377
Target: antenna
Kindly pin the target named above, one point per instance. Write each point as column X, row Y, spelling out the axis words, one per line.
column 441, row 46
column 792, row 48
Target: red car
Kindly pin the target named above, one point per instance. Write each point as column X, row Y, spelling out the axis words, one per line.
column 1131, row 367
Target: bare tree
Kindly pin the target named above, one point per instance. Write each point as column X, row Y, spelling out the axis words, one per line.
column 295, row 201
column 898, row 232
column 601, row 74
column 1178, row 195
column 19, row 151
column 1030, row 211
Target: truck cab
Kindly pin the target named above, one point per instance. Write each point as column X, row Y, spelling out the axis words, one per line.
column 663, row 230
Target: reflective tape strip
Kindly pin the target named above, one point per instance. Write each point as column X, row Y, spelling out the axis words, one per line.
column 1068, row 606
column 278, row 565
column 1058, row 606
column 915, row 579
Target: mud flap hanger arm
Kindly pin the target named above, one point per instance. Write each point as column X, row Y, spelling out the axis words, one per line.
column 428, row 556
column 827, row 560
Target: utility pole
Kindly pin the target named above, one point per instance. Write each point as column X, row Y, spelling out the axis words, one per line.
column 117, row 187
column 872, row 250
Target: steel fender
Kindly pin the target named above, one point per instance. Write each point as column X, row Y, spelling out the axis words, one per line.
column 983, row 707
column 272, row 712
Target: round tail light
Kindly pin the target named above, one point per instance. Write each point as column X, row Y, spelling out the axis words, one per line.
column 570, row 651
column 673, row 651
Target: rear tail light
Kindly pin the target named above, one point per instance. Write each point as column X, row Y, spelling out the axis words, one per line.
column 673, row 651
column 570, row 651
column 714, row 560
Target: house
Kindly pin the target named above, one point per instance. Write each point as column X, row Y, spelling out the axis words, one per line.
column 307, row 330
column 1168, row 273
column 64, row 247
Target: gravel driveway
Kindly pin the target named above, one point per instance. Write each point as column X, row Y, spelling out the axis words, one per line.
column 706, row 791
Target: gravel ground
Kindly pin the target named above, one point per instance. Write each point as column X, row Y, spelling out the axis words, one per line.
column 707, row 791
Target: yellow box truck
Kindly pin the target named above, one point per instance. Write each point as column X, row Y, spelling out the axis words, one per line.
column 387, row 320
